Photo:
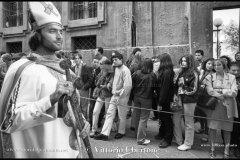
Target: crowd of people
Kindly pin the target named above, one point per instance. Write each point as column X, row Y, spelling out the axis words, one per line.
column 153, row 83
column 109, row 87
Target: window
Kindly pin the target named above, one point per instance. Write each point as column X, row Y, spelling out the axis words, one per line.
column 12, row 14
column 83, row 10
column 14, row 47
column 85, row 43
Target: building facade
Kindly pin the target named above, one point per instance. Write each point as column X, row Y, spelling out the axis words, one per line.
column 177, row 28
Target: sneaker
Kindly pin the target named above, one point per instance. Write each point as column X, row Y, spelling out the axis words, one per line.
column 119, row 135
column 184, row 147
column 143, row 142
column 212, row 154
column 93, row 134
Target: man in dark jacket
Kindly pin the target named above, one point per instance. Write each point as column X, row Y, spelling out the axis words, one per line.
column 86, row 79
column 95, row 70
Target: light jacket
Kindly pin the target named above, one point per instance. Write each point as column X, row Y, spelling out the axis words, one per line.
column 229, row 89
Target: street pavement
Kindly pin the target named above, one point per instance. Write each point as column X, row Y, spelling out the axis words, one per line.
column 127, row 147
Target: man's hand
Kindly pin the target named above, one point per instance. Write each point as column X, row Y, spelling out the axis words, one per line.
column 62, row 87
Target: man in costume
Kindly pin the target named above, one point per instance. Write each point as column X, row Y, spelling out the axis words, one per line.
column 33, row 124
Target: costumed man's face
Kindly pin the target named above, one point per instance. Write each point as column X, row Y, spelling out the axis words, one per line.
column 117, row 62
column 52, row 37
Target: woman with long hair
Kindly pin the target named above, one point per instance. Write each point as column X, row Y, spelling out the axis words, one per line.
column 223, row 86
column 207, row 68
column 165, row 94
column 144, row 83
column 185, row 88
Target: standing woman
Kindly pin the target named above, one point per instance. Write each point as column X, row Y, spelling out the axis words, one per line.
column 186, row 87
column 207, row 68
column 165, row 75
column 104, row 82
column 223, row 86
column 144, row 83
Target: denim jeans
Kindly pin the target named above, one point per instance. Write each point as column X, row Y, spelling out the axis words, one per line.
column 97, row 110
column 188, row 110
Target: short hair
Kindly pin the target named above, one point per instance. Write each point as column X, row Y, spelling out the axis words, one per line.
column 2, row 53
column 77, row 54
column 136, row 50
column 100, row 49
column 200, row 51
column 6, row 57
column 147, row 66
column 107, row 62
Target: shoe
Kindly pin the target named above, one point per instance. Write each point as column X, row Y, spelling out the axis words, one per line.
column 163, row 144
column 132, row 128
column 226, row 156
column 101, row 137
column 119, row 135
column 93, row 134
column 144, row 142
column 184, row 147
column 212, row 154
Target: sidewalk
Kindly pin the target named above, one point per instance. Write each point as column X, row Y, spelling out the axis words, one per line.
column 127, row 146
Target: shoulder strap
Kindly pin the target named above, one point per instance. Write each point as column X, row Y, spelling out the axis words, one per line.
column 16, row 77
column 203, row 77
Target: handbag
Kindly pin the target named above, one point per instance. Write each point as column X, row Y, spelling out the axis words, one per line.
column 206, row 101
column 176, row 105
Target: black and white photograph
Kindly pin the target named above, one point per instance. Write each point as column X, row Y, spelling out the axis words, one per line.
column 120, row 79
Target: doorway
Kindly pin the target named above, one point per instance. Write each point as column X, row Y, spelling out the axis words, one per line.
column 226, row 32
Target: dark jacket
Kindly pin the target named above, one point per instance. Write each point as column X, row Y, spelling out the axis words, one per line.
column 165, row 89
column 86, row 76
column 104, row 80
column 144, row 85
column 95, row 73
column 190, row 87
